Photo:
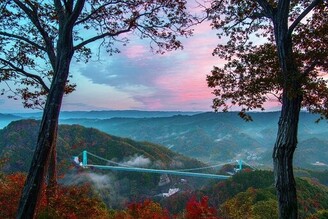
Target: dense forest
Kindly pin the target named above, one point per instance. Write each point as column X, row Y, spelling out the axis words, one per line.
column 245, row 195
column 104, row 194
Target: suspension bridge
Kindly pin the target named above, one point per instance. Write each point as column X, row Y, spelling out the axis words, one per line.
column 181, row 172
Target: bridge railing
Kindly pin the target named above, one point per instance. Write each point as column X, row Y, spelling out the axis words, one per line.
column 85, row 164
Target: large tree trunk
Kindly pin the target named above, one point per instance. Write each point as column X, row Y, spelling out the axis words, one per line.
column 40, row 162
column 283, row 157
column 46, row 143
column 47, row 133
column 286, row 141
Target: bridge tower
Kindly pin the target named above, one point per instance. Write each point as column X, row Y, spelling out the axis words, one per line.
column 84, row 158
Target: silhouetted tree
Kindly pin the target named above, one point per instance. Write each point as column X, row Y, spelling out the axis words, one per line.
column 38, row 40
column 273, row 48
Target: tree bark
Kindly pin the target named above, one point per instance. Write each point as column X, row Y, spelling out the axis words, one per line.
column 46, row 143
column 283, row 157
column 48, row 129
column 46, row 139
column 40, row 162
column 52, row 173
column 292, row 96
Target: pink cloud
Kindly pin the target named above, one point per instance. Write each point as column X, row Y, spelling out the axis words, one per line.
column 135, row 51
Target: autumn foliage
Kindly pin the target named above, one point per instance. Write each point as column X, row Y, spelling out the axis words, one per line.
column 246, row 195
column 70, row 202
column 151, row 210
column 79, row 202
column 200, row 209
column 142, row 210
column 10, row 189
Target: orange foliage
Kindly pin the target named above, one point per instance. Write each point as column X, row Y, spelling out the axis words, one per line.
column 70, row 202
column 10, row 191
column 76, row 202
column 143, row 210
column 198, row 210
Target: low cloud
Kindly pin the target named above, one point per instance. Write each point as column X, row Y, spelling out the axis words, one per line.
column 137, row 161
column 100, row 181
column 105, row 185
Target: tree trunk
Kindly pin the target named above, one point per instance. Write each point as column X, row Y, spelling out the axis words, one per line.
column 286, row 141
column 46, row 141
column 283, row 157
column 52, row 173
column 47, row 134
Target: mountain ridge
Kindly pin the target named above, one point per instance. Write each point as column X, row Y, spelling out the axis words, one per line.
column 215, row 137
column 211, row 137
column 17, row 142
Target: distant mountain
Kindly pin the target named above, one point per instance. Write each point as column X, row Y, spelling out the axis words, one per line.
column 311, row 153
column 209, row 137
column 17, row 143
column 5, row 119
column 212, row 137
column 107, row 114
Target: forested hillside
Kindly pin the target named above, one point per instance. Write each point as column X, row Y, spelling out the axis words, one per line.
column 17, row 143
column 220, row 137
column 248, row 193
column 210, row 137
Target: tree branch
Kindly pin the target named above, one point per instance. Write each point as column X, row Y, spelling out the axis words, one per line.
column 302, row 15
column 33, row 16
column 36, row 78
column 76, row 12
column 23, row 39
column 95, row 38
column 58, row 5
column 92, row 13
column 108, row 34
column 268, row 11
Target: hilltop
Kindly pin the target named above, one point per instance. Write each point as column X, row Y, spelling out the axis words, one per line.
column 5, row 119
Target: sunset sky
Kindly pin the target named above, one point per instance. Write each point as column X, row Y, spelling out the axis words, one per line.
column 141, row 80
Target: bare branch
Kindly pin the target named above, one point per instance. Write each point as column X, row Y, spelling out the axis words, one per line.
column 310, row 68
column 302, row 15
column 93, row 12
column 36, row 78
column 33, row 16
column 58, row 5
column 23, row 39
column 76, row 12
column 101, row 36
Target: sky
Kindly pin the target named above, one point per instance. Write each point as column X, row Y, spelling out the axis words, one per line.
column 138, row 79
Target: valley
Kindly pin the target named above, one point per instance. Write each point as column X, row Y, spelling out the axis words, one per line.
column 175, row 142
column 209, row 137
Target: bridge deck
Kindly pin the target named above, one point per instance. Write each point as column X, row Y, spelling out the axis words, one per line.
column 172, row 172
